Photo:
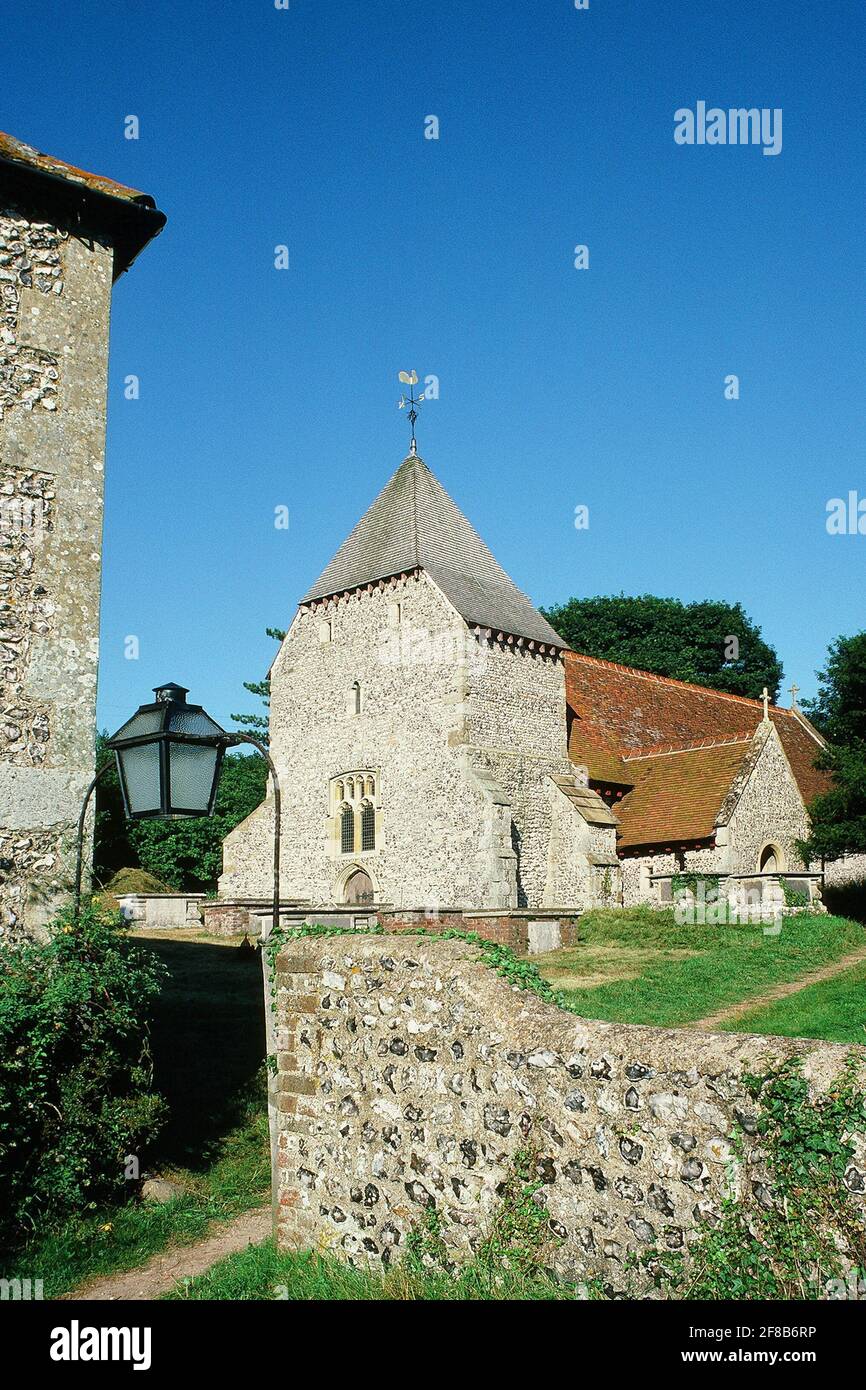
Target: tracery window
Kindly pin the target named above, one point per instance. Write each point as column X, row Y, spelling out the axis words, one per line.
column 354, row 812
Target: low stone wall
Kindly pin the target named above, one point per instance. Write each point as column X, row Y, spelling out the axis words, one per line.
column 234, row 916
column 524, row 931
column 162, row 909
column 410, row 1074
column 230, row 917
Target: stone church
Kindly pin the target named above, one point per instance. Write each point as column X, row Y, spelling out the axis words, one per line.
column 439, row 747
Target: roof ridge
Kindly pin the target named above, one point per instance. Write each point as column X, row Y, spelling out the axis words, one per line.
column 673, row 680
column 415, row 473
column 662, row 749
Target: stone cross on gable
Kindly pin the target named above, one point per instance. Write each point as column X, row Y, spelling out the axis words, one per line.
column 765, row 696
column 794, row 689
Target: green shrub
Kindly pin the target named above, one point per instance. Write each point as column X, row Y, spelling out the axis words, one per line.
column 75, row 1072
column 846, row 899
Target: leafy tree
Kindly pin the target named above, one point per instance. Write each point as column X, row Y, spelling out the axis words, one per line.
column 839, row 710
column 708, row 643
column 111, row 847
column 257, row 724
column 76, row 1083
column 187, row 854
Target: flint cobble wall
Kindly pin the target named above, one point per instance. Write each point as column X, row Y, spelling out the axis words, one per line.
column 461, row 736
column 409, row 1075
column 55, row 287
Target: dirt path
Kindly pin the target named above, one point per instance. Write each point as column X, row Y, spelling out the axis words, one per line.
column 162, row 1272
column 759, row 1001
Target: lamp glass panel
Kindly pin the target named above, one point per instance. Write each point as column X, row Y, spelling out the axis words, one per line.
column 141, row 774
column 192, row 775
column 188, row 721
column 143, row 722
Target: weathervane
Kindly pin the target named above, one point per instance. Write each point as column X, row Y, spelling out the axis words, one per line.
column 410, row 379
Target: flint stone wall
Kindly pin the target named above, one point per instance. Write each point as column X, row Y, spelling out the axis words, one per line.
column 55, row 288
column 462, row 736
column 409, row 1074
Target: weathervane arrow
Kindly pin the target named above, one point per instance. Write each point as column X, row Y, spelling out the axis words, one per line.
column 410, row 379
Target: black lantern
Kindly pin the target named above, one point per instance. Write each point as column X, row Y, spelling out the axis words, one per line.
column 169, row 756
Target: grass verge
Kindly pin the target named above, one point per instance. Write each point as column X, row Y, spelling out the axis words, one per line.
column 123, row 1237
column 207, row 1042
column 667, row 974
column 260, row 1273
column 834, row 1009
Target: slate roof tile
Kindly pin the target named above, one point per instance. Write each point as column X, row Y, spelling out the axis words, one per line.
column 414, row 523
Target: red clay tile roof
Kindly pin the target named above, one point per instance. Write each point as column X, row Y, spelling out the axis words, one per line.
column 677, row 796
column 619, row 714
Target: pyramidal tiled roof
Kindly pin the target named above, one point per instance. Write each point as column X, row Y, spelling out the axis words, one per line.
column 414, row 523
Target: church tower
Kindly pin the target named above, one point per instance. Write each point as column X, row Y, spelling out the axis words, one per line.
column 418, row 726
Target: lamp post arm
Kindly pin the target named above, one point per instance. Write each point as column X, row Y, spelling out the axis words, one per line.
column 79, row 854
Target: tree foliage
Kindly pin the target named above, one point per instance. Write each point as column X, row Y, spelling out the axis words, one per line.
column 257, row 724
column 708, row 642
column 839, row 708
column 839, row 711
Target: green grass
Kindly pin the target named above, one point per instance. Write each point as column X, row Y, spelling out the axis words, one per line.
column 259, row 1273
column 682, row 973
column 123, row 1237
column 835, row 1010
column 208, row 1049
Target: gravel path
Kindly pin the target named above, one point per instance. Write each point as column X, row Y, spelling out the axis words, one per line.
column 163, row 1271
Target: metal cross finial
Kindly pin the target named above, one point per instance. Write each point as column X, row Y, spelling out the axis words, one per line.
column 410, row 379
column 765, row 696
column 794, row 689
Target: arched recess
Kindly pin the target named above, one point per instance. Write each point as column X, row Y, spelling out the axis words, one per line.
column 771, row 860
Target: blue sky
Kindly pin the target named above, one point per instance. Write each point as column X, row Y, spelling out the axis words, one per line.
column 263, row 388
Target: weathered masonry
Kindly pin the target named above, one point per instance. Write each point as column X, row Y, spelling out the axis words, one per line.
column 65, row 236
column 418, row 724
column 410, row 1074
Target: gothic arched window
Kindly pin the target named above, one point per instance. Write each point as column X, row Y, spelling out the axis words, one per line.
column 368, row 826
column 356, row 697
column 347, row 830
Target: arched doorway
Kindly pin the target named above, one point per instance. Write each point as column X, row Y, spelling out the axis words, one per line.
column 358, row 887
column 772, row 860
